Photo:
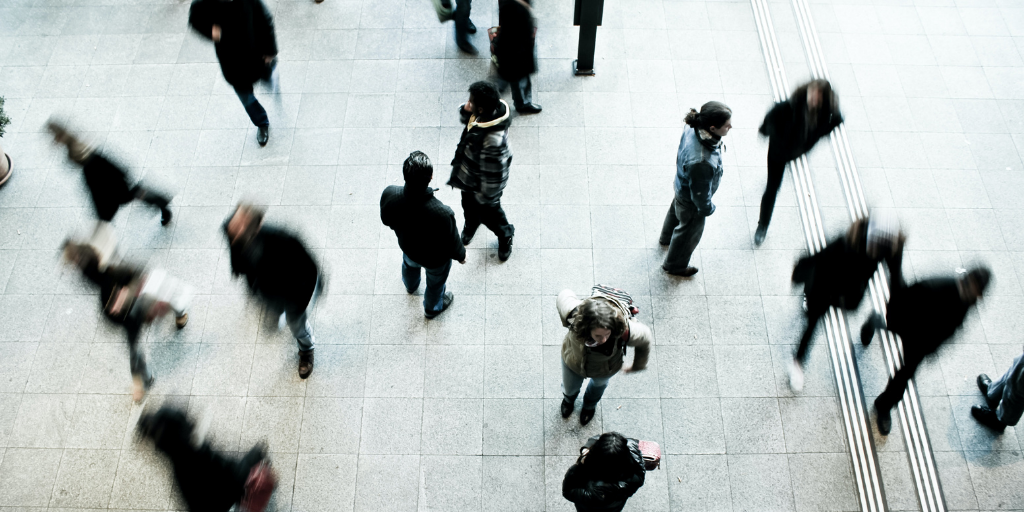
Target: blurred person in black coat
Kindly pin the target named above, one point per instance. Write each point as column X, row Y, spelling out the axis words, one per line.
column 280, row 270
column 515, row 52
column 242, row 32
column 838, row 275
column 793, row 127
column 925, row 315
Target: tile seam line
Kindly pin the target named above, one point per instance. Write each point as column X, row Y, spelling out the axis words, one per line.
column 919, row 449
column 861, row 449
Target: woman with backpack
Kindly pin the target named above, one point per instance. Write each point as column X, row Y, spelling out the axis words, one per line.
column 606, row 475
column 600, row 329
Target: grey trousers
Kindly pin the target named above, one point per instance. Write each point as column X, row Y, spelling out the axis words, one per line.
column 681, row 232
column 1008, row 393
column 572, row 382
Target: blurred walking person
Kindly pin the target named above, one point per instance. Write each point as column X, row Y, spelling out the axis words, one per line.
column 1004, row 398
column 279, row 270
column 132, row 299
column 793, row 127
column 426, row 231
column 481, row 164
column 242, row 32
column 838, row 275
column 605, row 475
column 698, row 173
column 208, row 481
column 515, row 52
column 600, row 329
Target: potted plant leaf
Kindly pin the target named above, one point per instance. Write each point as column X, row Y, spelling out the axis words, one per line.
column 5, row 161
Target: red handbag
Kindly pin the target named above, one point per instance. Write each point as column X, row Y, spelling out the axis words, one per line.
column 652, row 454
column 259, row 487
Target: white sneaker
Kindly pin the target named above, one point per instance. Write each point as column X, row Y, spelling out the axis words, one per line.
column 796, row 376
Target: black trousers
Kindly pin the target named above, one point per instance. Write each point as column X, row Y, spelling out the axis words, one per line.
column 461, row 15
column 814, row 314
column 488, row 214
column 912, row 358
column 776, row 167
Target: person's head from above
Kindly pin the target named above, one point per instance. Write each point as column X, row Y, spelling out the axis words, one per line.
column 609, row 456
column 166, row 427
column 80, row 255
column 244, row 223
column 483, row 98
column 883, row 236
column 818, row 92
column 417, row 170
column 972, row 283
column 715, row 117
column 597, row 322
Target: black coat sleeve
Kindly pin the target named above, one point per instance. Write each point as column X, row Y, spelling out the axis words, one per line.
column 775, row 121
column 263, row 29
column 578, row 489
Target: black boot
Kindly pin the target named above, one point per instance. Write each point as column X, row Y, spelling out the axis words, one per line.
column 305, row 363
column 884, row 418
column 983, row 384
column 586, row 415
column 566, row 408
column 867, row 331
column 165, row 216
column 467, row 236
column 504, row 248
column 987, row 417
column 759, row 234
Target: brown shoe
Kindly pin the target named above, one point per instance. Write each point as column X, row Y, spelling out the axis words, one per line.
column 181, row 321
column 305, row 363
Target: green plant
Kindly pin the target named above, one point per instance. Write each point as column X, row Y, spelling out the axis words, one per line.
column 4, row 120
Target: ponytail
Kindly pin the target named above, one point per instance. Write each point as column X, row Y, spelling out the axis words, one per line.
column 712, row 113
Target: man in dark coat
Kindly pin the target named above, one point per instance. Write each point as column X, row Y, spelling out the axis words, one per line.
column 242, row 32
column 925, row 315
column 515, row 53
column 208, row 481
column 426, row 232
column 107, row 183
column 481, row 163
column 793, row 127
column 279, row 270
column 838, row 275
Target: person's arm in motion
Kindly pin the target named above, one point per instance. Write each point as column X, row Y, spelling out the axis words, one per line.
column 640, row 339
column 263, row 29
column 458, row 250
column 701, row 176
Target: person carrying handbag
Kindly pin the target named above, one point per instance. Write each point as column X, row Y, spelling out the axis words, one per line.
column 605, row 475
column 513, row 51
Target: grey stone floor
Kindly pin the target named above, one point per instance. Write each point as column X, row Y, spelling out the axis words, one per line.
column 460, row 413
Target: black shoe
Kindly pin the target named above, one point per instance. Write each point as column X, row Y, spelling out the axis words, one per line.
column 505, row 248
column 470, row 27
column 760, row 234
column 586, row 415
column 305, row 363
column 983, row 384
column 263, row 135
column 884, row 418
column 987, row 417
column 467, row 236
column 463, row 43
column 566, row 408
column 686, row 272
column 445, row 302
column 867, row 331
column 165, row 217
column 529, row 108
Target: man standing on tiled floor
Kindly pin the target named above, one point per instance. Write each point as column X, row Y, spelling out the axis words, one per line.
column 698, row 173
column 426, row 230
column 242, row 32
column 1004, row 398
column 278, row 269
column 480, row 166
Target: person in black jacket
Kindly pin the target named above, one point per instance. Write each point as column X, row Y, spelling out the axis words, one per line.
column 279, row 270
column 208, row 481
column 793, row 127
column 606, row 475
column 514, row 52
column 426, row 232
column 925, row 315
column 107, row 182
column 242, row 32
column 120, row 300
column 838, row 275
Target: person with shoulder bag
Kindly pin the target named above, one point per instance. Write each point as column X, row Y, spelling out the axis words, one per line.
column 600, row 329
column 605, row 475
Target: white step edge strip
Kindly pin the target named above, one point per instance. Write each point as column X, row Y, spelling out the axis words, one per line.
column 864, row 461
column 919, row 451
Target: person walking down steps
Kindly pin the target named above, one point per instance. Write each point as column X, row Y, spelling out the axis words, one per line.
column 698, row 173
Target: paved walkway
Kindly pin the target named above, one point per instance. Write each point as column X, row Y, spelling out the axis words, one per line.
column 460, row 413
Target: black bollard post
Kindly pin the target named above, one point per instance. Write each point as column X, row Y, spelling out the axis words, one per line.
column 587, row 15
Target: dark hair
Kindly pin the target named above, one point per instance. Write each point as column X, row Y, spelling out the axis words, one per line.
column 417, row 170
column 609, row 455
column 980, row 276
column 828, row 99
column 485, row 96
column 598, row 314
column 712, row 113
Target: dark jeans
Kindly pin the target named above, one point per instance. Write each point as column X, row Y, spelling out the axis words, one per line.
column 433, row 296
column 252, row 107
column 488, row 214
column 776, row 167
column 681, row 231
column 813, row 316
column 522, row 92
column 461, row 15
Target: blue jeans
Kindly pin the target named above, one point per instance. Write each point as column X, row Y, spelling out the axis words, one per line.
column 572, row 382
column 298, row 320
column 1004, row 393
column 257, row 114
column 433, row 296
